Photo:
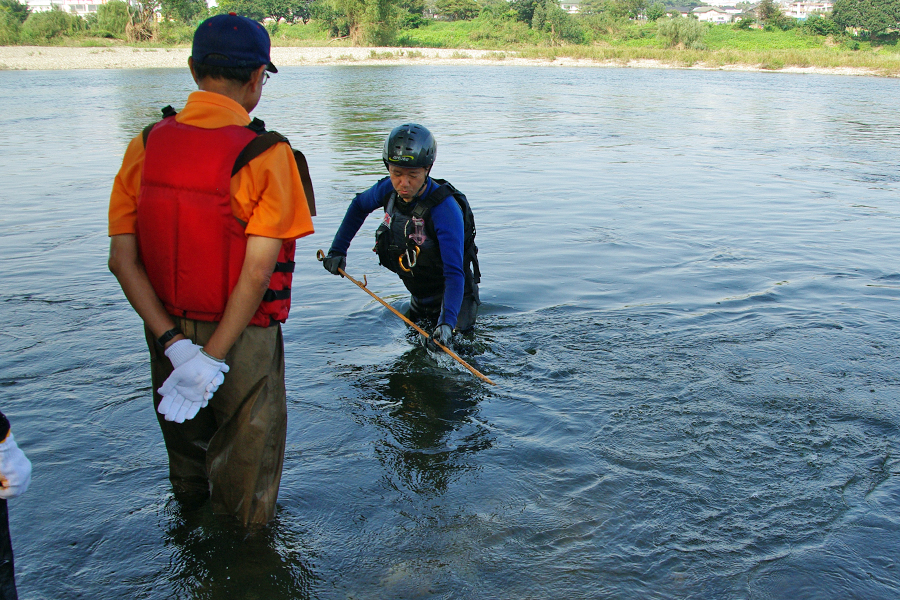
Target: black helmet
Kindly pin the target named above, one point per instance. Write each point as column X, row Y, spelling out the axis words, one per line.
column 409, row 145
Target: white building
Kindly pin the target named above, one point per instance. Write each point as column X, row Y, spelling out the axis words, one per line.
column 76, row 7
column 570, row 7
column 711, row 14
column 802, row 10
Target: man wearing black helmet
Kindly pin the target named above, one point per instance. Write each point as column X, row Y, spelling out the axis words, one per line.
column 427, row 236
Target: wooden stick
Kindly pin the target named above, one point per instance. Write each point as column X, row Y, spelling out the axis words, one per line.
column 321, row 256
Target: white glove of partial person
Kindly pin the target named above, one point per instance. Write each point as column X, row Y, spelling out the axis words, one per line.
column 15, row 469
column 190, row 386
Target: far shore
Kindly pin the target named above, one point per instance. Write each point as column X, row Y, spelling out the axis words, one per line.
column 38, row 58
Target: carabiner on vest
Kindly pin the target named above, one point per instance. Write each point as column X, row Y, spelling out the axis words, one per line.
column 410, row 259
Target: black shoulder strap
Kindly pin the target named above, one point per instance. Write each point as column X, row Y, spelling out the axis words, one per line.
column 257, row 146
column 439, row 195
column 434, row 198
column 303, row 168
column 264, row 141
column 167, row 112
column 257, row 125
column 146, row 132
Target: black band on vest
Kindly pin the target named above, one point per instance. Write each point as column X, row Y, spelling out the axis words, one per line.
column 284, row 267
column 273, row 295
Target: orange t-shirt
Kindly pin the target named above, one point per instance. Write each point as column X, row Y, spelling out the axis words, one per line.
column 267, row 193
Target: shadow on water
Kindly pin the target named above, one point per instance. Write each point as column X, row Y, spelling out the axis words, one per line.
column 216, row 559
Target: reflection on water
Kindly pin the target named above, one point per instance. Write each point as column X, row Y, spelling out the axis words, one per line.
column 211, row 559
column 430, row 422
column 357, row 128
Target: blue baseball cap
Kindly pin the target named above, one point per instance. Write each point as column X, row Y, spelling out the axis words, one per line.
column 237, row 42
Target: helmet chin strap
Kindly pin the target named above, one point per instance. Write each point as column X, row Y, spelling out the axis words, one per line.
column 424, row 185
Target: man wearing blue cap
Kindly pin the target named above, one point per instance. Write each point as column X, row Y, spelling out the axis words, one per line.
column 203, row 219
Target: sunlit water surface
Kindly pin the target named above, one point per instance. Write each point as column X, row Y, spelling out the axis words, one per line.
column 690, row 308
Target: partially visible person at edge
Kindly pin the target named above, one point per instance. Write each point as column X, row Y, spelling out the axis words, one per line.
column 426, row 237
column 15, row 477
column 203, row 249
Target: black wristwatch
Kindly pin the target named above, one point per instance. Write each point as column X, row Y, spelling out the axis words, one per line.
column 164, row 338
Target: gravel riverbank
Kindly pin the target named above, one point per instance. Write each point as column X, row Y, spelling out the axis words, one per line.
column 121, row 57
column 126, row 57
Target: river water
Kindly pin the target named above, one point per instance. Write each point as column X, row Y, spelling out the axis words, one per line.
column 690, row 309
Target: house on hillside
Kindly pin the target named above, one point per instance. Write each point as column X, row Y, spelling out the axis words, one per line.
column 803, row 9
column 570, row 6
column 711, row 14
column 684, row 11
column 81, row 8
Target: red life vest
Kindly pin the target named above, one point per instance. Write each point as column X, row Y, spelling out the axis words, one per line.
column 190, row 242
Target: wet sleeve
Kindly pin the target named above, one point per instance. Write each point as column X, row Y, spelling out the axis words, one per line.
column 127, row 184
column 448, row 226
column 268, row 195
column 360, row 207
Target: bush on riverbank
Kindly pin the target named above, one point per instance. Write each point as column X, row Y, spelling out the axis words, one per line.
column 12, row 16
column 45, row 27
column 681, row 32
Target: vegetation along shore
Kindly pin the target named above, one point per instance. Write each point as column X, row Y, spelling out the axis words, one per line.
column 855, row 38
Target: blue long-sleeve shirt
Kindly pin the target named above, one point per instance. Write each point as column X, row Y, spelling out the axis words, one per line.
column 448, row 226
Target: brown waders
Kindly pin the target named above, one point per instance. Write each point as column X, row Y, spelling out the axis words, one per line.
column 232, row 452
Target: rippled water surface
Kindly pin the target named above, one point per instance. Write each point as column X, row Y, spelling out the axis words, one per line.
column 690, row 307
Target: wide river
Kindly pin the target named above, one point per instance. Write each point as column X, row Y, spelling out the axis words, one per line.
column 690, row 285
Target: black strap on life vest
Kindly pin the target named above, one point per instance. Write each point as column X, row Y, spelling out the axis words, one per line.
column 470, row 250
column 263, row 141
column 257, row 125
column 432, row 200
column 285, row 267
column 272, row 295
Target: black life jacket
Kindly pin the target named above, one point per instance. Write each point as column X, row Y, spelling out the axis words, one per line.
column 418, row 261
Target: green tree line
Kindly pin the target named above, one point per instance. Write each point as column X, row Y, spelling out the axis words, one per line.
column 382, row 22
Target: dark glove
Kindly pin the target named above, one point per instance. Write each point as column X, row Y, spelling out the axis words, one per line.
column 333, row 262
column 442, row 333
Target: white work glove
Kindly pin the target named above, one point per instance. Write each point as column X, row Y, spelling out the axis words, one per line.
column 190, row 386
column 15, row 469
column 182, row 351
column 179, row 353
